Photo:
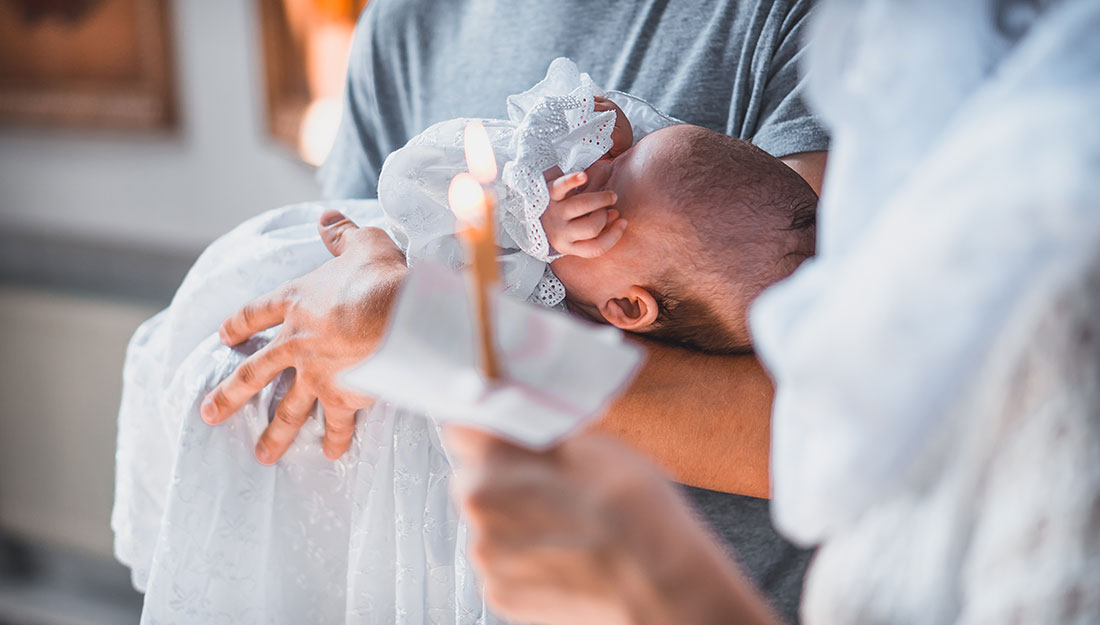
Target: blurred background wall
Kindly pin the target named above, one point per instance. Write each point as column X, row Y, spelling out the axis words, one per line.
column 175, row 191
column 96, row 229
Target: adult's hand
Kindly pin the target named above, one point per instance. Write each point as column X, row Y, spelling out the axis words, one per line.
column 331, row 319
column 591, row 532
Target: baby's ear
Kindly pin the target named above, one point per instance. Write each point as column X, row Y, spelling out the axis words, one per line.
column 636, row 310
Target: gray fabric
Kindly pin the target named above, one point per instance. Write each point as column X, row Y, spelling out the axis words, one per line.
column 729, row 66
column 723, row 64
column 775, row 565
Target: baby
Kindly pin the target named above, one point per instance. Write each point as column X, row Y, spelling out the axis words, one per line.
column 670, row 236
column 712, row 221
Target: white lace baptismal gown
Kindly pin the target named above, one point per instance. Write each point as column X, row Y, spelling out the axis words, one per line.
column 212, row 536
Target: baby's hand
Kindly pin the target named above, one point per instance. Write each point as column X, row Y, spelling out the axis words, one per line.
column 622, row 136
column 581, row 224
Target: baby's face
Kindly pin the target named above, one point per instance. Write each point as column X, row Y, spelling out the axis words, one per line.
column 654, row 238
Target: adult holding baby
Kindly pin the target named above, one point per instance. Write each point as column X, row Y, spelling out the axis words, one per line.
column 413, row 63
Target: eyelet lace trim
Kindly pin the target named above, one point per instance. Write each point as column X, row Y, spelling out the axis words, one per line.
column 549, row 292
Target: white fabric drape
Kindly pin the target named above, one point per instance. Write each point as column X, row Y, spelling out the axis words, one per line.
column 958, row 222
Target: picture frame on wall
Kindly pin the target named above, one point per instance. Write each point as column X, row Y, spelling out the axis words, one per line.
column 87, row 63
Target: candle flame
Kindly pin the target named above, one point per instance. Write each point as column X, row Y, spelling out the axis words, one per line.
column 479, row 153
column 467, row 199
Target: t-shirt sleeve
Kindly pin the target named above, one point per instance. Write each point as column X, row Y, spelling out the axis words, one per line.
column 352, row 168
column 787, row 126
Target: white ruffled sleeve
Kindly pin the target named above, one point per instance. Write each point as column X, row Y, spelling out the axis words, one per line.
column 556, row 126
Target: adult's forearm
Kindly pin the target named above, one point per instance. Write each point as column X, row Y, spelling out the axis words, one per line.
column 809, row 165
column 705, row 418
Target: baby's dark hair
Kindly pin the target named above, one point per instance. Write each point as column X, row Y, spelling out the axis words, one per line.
column 753, row 219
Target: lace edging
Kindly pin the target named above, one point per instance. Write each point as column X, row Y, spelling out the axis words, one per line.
column 549, row 292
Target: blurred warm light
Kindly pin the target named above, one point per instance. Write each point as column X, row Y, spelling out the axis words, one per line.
column 317, row 133
column 479, row 153
column 306, row 46
column 467, row 199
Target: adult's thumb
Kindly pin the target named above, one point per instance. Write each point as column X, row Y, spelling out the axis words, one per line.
column 334, row 228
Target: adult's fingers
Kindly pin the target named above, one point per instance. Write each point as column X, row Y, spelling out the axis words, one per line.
column 289, row 417
column 561, row 186
column 339, row 427
column 334, row 228
column 599, row 245
column 252, row 375
column 584, row 203
column 260, row 314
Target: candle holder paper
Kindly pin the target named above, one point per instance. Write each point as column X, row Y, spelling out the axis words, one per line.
column 558, row 373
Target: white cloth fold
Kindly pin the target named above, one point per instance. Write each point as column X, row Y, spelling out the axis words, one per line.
column 913, row 383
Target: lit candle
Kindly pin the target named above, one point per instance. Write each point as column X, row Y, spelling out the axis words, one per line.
column 474, row 208
column 479, row 153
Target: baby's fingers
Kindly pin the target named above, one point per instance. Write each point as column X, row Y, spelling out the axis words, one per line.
column 561, row 186
column 582, row 204
column 587, row 227
column 591, row 248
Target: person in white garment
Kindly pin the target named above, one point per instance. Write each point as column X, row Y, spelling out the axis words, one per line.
column 213, row 536
column 937, row 419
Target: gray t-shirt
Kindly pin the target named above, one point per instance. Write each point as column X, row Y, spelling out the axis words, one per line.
column 727, row 65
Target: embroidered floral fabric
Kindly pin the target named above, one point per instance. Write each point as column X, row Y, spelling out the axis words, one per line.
column 212, row 536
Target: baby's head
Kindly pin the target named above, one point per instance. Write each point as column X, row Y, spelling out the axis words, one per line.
column 712, row 221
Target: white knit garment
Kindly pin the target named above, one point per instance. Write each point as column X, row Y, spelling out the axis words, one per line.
column 937, row 419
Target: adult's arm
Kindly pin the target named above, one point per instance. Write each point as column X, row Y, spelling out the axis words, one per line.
column 809, row 165
column 705, row 418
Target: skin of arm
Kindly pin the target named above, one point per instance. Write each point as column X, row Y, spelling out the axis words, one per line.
column 706, row 419
column 809, row 165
